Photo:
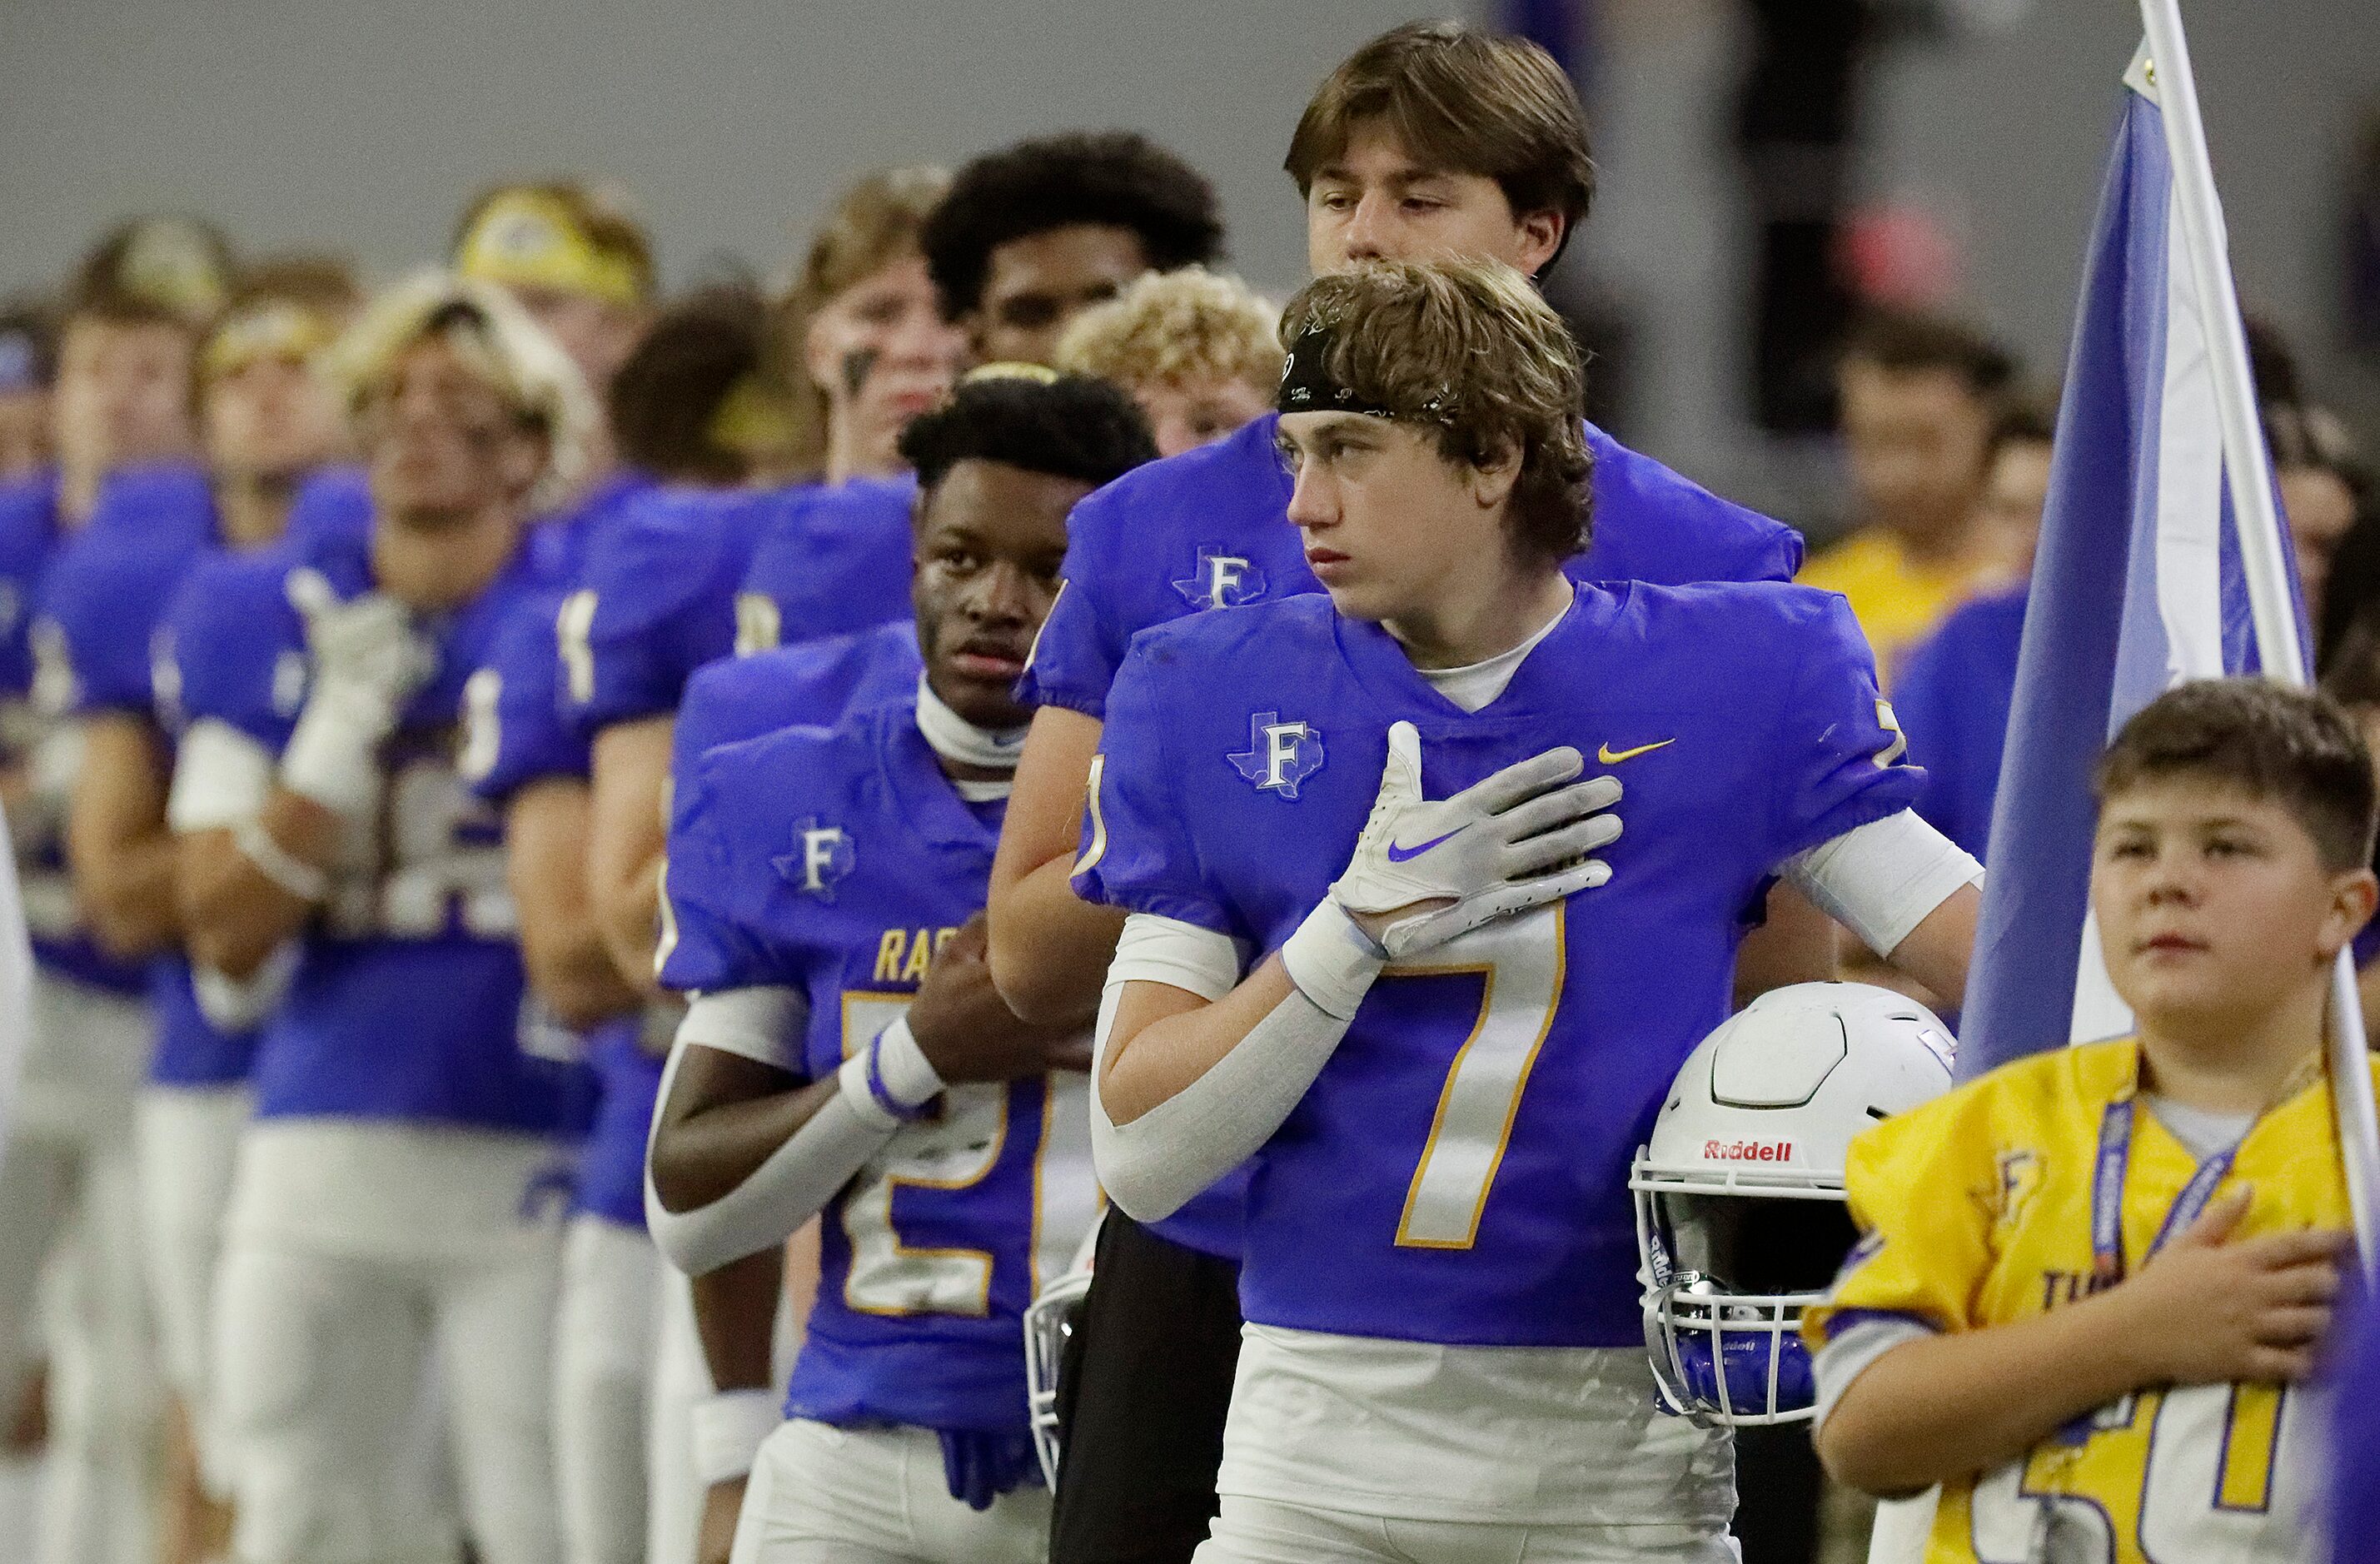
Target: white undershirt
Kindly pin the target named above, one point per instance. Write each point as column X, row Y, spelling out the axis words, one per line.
column 1474, row 685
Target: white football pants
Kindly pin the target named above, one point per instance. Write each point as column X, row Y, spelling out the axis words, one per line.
column 188, row 1142
column 359, row 1258
column 1255, row 1531
column 70, row 1207
column 603, row 1365
column 820, row 1495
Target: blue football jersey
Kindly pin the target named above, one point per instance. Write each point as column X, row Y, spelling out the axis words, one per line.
column 1459, row 1171
column 558, row 543
column 1953, row 694
column 407, row 1001
column 514, row 730
column 836, row 862
column 654, row 601
column 143, row 524
column 609, row 1179
column 330, row 510
column 1209, row 528
column 831, row 561
column 814, row 683
column 103, row 604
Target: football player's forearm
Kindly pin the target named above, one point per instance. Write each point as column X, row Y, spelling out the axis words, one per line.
column 1938, row 953
column 1165, row 1039
column 735, row 1314
column 233, row 913
column 1965, row 1401
column 1050, row 948
column 118, row 848
column 569, row 965
column 626, row 841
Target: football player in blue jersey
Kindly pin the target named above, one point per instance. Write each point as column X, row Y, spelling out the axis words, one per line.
column 122, row 402
column 622, row 1441
column 659, row 599
column 400, row 1188
column 845, row 1050
column 1034, row 233
column 1433, row 139
column 1354, row 833
column 268, row 419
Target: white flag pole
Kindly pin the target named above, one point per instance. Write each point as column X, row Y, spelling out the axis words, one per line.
column 2247, row 469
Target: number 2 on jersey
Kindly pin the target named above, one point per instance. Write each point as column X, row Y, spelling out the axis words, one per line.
column 1520, row 960
column 959, row 1149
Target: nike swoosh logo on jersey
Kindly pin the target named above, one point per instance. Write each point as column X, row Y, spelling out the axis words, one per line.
column 1611, row 756
column 1400, row 855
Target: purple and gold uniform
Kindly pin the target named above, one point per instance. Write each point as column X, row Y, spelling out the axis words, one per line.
column 407, row 1003
column 834, row 863
column 1458, row 1172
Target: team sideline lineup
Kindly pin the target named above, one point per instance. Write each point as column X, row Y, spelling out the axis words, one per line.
column 1015, row 904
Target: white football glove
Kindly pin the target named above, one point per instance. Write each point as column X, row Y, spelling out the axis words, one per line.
column 367, row 661
column 1516, row 840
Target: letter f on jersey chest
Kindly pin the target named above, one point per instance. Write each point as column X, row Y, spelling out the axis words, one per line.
column 1220, row 579
column 821, row 856
column 1279, row 754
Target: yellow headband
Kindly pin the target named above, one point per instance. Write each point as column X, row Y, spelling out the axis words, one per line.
column 525, row 239
column 1010, row 369
column 753, row 421
column 276, row 330
column 171, row 265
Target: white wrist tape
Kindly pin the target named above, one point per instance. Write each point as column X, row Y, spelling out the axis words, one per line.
column 1332, row 961
column 236, row 1006
column 729, row 1428
column 277, row 864
column 332, row 757
column 221, row 777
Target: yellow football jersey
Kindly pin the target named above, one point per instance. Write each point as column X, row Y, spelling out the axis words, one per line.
column 1897, row 600
column 1977, row 1210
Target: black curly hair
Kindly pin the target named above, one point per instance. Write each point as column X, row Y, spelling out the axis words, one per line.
column 1115, row 178
column 1067, row 426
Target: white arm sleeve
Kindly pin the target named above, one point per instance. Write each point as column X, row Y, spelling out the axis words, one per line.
column 800, row 1176
column 1882, row 880
column 1851, row 1355
column 1154, row 1165
column 221, row 777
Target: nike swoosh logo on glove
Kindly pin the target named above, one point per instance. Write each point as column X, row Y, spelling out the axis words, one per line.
column 1400, row 855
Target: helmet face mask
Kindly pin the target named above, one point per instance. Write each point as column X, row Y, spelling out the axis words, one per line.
column 1741, row 1220
column 1049, row 1322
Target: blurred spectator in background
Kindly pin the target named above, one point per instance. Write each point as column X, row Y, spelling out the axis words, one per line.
column 569, row 254
column 1955, row 688
column 28, row 362
column 1034, row 233
column 868, row 346
column 1920, row 394
column 1200, row 353
column 2351, row 677
column 143, row 300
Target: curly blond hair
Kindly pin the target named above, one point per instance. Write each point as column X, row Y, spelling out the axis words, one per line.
column 1177, row 328
column 504, row 346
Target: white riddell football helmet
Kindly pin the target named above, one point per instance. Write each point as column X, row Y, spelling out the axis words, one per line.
column 1741, row 1222
column 1049, row 1320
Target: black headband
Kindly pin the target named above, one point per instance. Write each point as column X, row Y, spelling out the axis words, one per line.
column 1307, row 385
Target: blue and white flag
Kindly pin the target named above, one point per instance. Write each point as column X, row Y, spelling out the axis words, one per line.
column 2137, row 586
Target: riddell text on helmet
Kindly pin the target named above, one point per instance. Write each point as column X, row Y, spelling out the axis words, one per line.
column 1748, row 1150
